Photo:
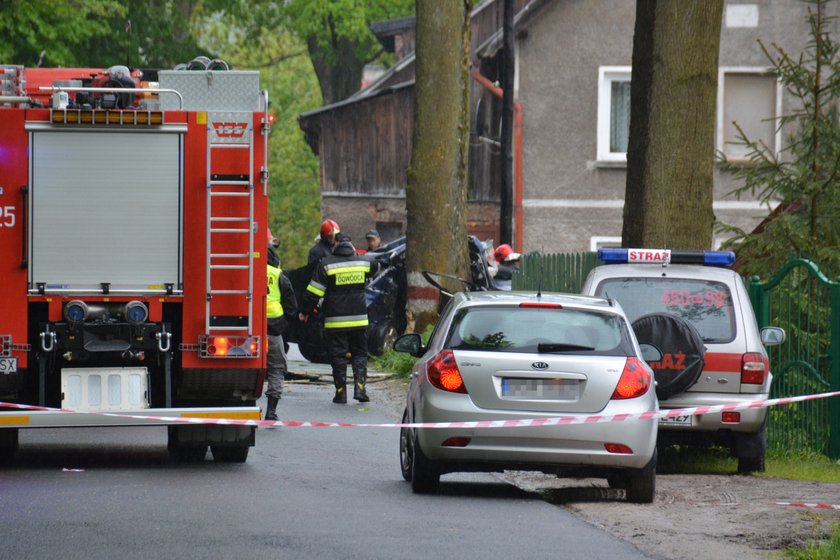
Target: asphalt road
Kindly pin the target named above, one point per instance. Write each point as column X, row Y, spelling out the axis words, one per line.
column 304, row 493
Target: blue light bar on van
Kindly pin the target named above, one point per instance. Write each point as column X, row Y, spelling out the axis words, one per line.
column 666, row 256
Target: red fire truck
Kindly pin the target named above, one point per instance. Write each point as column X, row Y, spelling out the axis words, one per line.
column 133, row 212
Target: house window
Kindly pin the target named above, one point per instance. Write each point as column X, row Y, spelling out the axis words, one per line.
column 613, row 113
column 602, row 242
column 752, row 99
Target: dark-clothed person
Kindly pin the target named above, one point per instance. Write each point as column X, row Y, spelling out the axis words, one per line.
column 281, row 306
column 326, row 242
column 374, row 242
column 340, row 280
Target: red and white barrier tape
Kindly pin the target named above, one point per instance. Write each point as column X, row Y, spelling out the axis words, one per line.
column 814, row 506
column 550, row 421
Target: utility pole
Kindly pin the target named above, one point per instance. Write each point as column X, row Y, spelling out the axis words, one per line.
column 508, row 68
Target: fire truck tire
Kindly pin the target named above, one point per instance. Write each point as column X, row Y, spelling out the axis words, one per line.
column 227, row 454
column 8, row 443
column 179, row 450
column 188, row 453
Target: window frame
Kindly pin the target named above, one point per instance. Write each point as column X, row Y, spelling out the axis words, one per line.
column 719, row 125
column 606, row 76
column 609, row 74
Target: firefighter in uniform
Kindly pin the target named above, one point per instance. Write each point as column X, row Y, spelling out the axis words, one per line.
column 326, row 242
column 340, row 280
column 280, row 305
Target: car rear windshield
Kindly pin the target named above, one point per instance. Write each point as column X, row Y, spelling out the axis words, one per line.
column 548, row 330
column 705, row 304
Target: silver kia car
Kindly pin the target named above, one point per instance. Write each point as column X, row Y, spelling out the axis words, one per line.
column 515, row 356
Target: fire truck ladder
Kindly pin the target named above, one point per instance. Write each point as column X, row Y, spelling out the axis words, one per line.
column 225, row 132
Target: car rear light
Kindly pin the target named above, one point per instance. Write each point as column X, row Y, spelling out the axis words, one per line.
column 539, row 305
column 442, row 371
column 618, row 448
column 730, row 417
column 754, row 368
column 456, row 442
column 634, row 381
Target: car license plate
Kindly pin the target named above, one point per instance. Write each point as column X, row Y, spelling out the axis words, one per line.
column 540, row 389
column 8, row 365
column 681, row 420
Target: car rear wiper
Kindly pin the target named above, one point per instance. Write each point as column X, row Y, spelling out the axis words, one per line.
column 561, row 347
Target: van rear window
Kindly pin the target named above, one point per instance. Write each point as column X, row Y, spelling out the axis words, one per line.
column 705, row 304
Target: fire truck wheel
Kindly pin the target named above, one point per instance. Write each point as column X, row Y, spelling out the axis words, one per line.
column 230, row 454
column 8, row 443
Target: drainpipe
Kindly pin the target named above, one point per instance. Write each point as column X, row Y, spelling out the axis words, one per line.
column 517, row 154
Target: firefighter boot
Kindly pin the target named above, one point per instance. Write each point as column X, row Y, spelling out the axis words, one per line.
column 340, row 381
column 271, row 408
column 359, row 385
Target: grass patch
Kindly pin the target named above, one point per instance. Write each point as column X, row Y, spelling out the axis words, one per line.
column 820, row 550
column 398, row 363
column 716, row 460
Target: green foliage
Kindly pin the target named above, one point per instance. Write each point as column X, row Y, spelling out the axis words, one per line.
column 398, row 363
column 161, row 35
column 58, row 29
column 803, row 177
column 327, row 21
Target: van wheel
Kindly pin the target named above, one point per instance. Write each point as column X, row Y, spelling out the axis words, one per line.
column 748, row 465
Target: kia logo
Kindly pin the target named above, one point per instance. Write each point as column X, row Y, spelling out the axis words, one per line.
column 539, row 365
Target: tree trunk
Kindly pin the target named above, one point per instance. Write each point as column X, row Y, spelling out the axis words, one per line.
column 436, row 193
column 339, row 71
column 670, row 158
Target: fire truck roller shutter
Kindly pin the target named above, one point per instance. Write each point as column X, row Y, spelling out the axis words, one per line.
column 105, row 207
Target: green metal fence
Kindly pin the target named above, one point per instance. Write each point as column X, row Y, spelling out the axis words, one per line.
column 557, row 272
column 800, row 299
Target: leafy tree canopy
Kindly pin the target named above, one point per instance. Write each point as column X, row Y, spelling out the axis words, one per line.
column 59, row 30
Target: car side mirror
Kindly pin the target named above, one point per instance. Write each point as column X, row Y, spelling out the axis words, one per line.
column 650, row 353
column 410, row 344
column 772, row 336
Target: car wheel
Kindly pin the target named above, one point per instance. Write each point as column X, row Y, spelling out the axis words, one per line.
column 425, row 476
column 641, row 484
column 617, row 479
column 406, row 449
column 224, row 454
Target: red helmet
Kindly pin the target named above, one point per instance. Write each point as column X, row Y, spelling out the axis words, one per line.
column 501, row 252
column 329, row 228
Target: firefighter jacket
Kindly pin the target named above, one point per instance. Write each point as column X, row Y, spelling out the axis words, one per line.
column 340, row 279
column 318, row 252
